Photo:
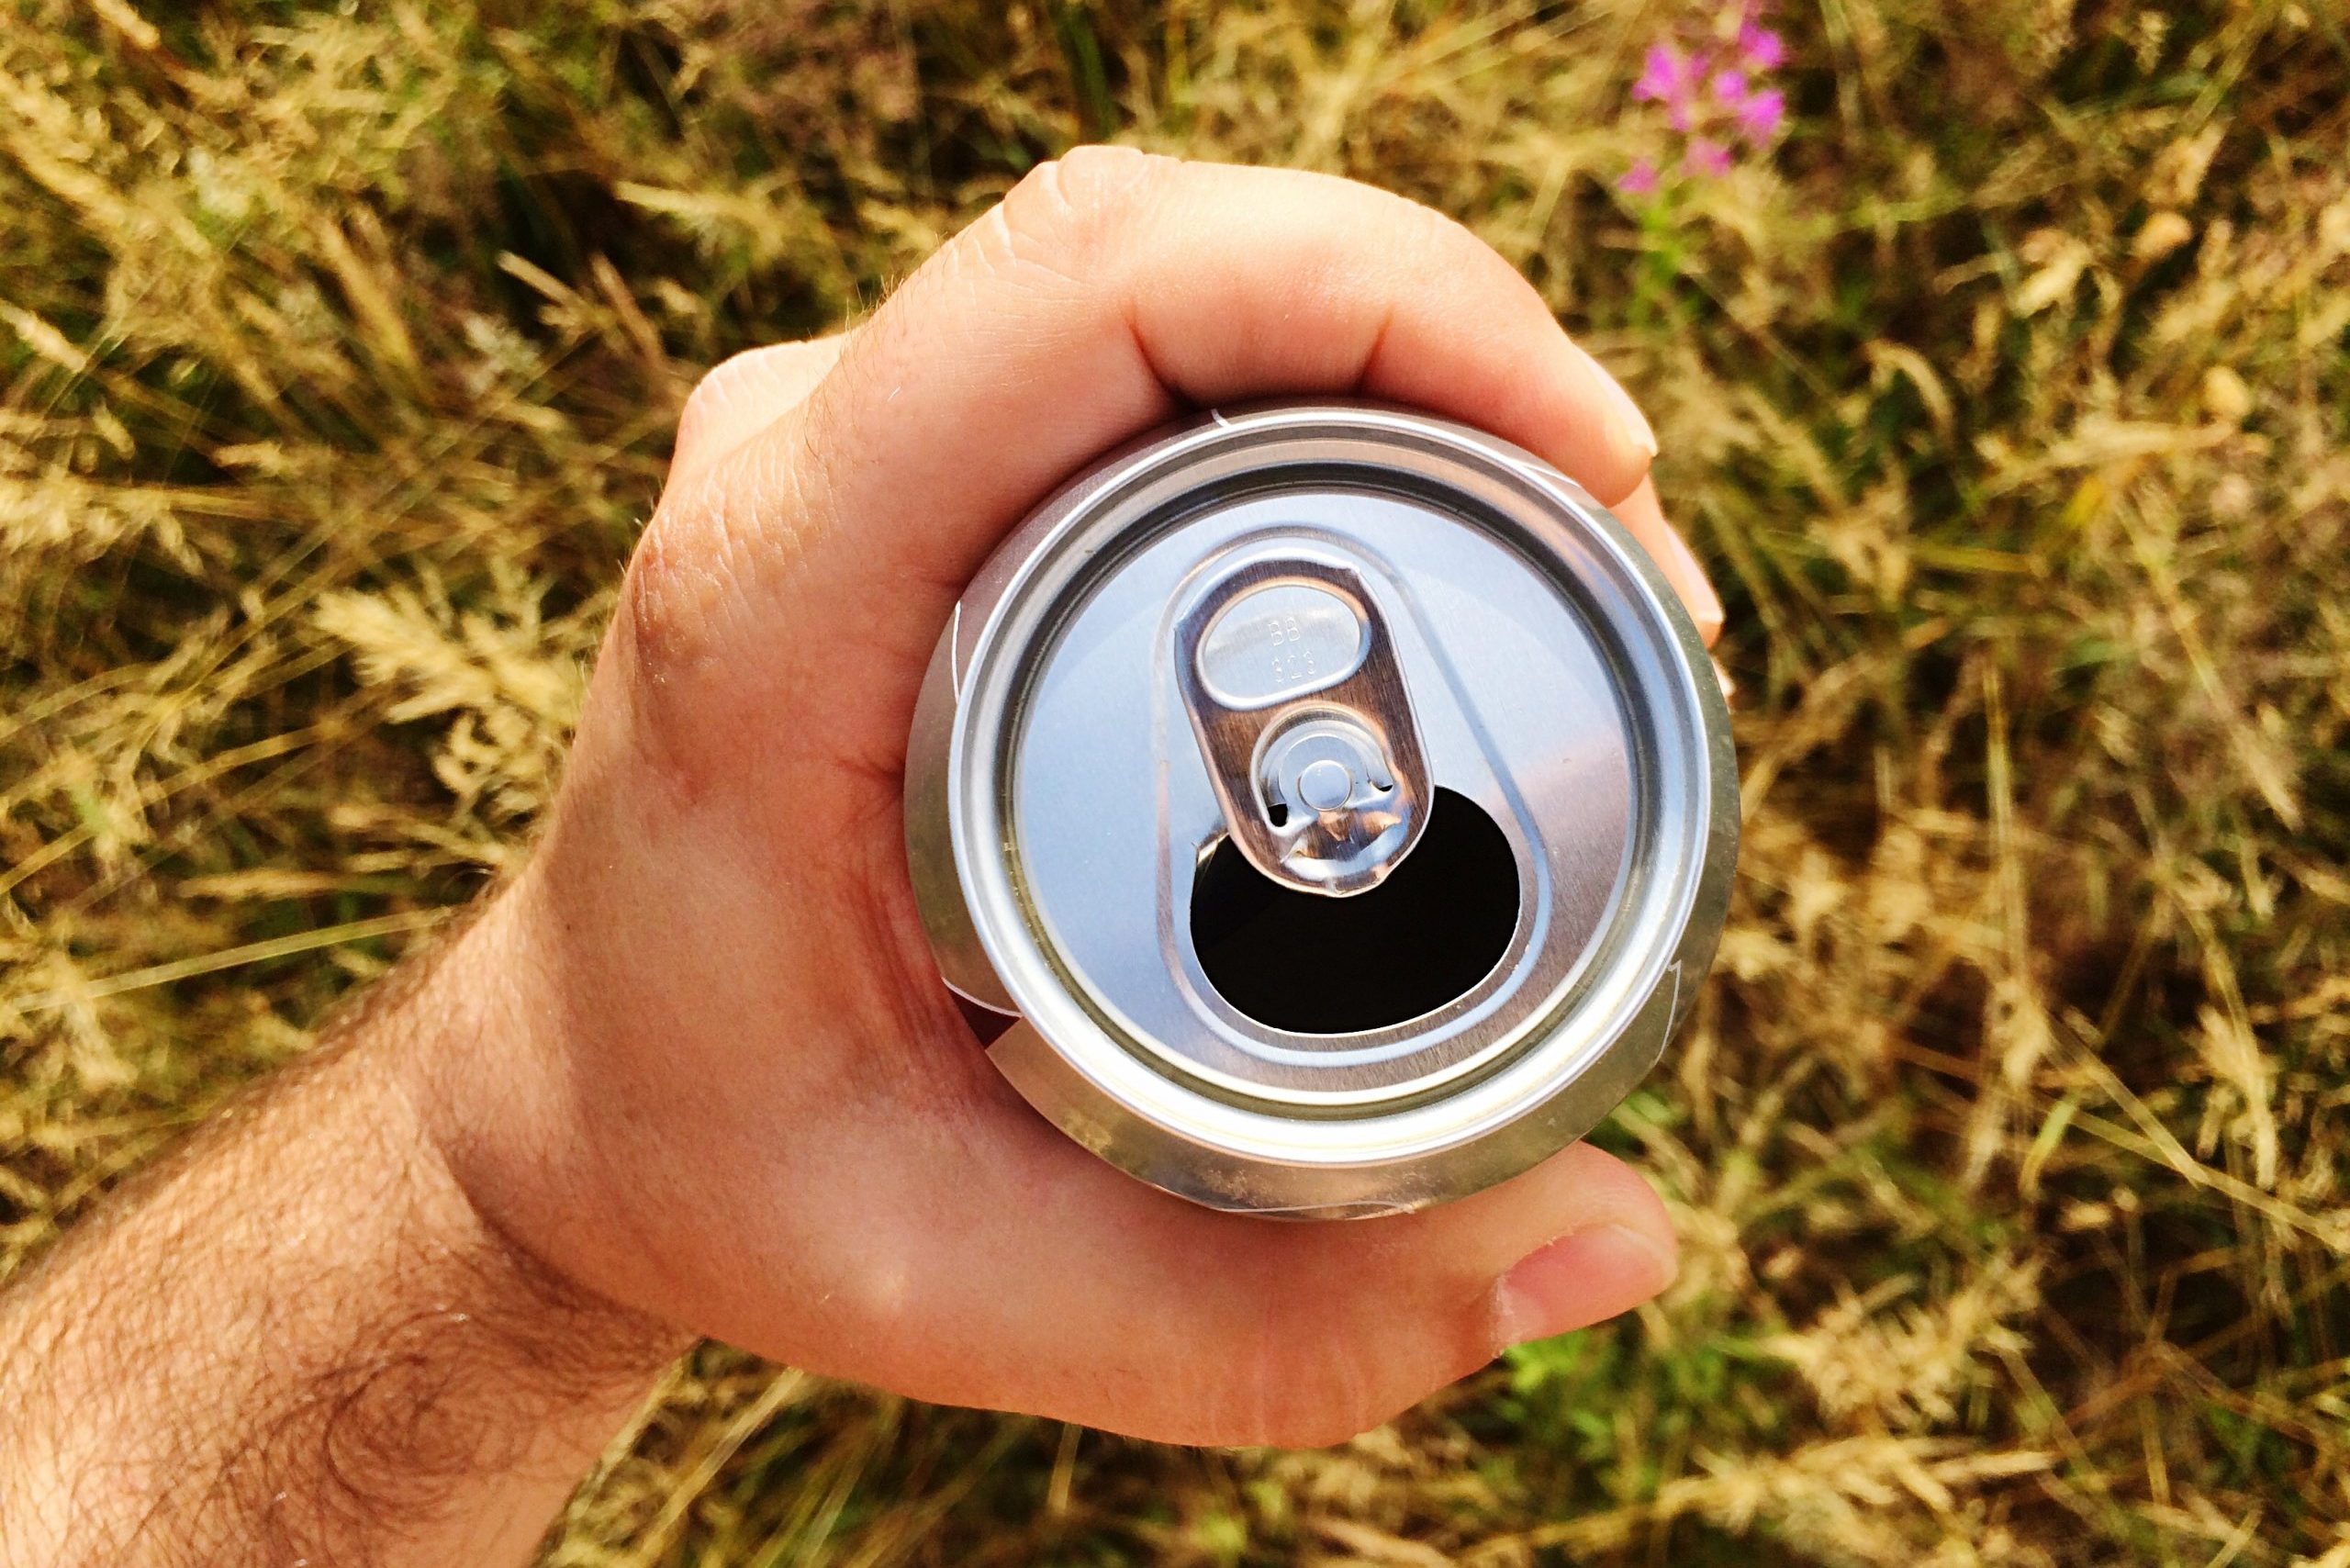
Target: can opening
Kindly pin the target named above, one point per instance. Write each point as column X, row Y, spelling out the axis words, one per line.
column 1312, row 965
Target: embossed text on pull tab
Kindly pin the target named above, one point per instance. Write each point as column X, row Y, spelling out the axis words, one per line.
column 1300, row 706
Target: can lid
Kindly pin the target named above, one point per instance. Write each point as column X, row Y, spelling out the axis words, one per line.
column 1341, row 796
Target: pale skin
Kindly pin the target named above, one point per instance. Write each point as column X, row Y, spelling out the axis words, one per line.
column 691, row 1071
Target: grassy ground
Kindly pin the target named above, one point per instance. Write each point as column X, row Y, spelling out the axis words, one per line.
column 2005, row 390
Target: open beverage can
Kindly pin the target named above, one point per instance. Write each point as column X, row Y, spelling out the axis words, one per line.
column 1338, row 798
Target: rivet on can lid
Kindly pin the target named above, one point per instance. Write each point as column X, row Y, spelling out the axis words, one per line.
column 1325, row 784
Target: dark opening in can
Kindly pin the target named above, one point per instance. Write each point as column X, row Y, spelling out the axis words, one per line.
column 1416, row 943
column 1339, row 796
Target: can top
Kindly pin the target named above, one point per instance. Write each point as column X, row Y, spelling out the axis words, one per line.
column 1341, row 795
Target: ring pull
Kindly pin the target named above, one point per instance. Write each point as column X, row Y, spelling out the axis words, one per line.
column 1289, row 675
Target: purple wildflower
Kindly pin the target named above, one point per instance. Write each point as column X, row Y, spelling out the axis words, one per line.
column 1707, row 156
column 1759, row 48
column 1668, row 77
column 1714, row 92
column 1759, row 114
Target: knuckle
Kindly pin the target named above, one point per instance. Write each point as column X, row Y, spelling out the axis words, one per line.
column 1443, row 245
column 716, row 395
column 680, row 576
column 1319, row 1369
column 748, row 388
column 1310, row 1383
column 1068, row 215
column 722, row 539
column 673, row 600
column 1328, row 1425
column 663, row 594
column 718, row 386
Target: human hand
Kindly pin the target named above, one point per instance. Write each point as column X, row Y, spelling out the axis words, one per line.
column 712, row 1073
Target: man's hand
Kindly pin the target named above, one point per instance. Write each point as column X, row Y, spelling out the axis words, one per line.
column 693, row 1071
column 730, row 1090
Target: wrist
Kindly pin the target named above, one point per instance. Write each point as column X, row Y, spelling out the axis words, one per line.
column 475, row 1060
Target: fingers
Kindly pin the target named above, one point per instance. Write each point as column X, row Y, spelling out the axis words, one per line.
column 1110, row 288
column 1644, row 520
column 1050, row 1281
column 1108, row 291
column 744, row 395
column 747, row 394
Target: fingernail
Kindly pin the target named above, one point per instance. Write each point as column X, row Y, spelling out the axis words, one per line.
column 1577, row 1281
column 1688, row 574
column 1628, row 417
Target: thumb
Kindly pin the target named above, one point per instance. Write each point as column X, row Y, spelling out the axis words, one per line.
column 1049, row 1281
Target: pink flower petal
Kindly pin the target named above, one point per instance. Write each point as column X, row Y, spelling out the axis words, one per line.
column 1729, row 88
column 1759, row 48
column 1641, row 179
column 1760, row 115
column 1666, row 76
column 1707, row 156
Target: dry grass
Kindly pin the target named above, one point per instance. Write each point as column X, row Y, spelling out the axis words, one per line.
column 2008, row 400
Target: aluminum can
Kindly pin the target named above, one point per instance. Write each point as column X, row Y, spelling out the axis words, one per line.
column 1338, row 799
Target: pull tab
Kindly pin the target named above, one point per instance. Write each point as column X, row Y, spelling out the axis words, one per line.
column 1289, row 675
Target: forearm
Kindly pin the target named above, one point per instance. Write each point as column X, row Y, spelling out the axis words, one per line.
column 298, row 1340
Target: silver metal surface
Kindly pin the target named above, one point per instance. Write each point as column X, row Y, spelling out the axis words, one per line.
column 1109, row 704
column 1288, row 670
